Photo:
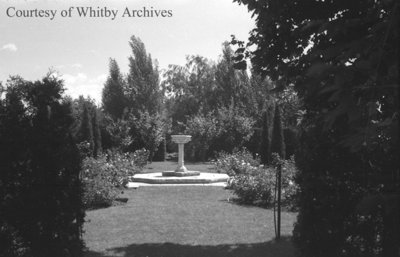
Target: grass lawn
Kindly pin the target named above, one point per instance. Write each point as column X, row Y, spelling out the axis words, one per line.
column 184, row 221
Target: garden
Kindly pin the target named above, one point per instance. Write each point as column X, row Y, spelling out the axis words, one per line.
column 306, row 127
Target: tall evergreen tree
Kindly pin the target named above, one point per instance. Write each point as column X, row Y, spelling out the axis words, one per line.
column 96, row 134
column 277, row 140
column 265, row 150
column 86, row 128
column 113, row 98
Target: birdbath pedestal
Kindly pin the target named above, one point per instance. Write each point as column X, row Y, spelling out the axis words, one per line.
column 181, row 170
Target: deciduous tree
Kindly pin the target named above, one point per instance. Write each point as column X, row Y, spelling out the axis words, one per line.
column 342, row 57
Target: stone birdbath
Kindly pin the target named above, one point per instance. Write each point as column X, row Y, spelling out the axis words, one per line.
column 181, row 170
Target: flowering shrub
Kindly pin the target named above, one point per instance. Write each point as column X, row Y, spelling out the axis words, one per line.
column 105, row 176
column 140, row 157
column 84, row 149
column 255, row 184
column 239, row 162
column 289, row 187
column 255, row 188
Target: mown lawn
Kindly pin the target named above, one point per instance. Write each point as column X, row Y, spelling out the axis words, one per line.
column 184, row 221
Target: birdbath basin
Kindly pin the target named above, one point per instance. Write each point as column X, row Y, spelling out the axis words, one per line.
column 181, row 170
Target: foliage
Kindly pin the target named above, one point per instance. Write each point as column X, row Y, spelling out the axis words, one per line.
column 232, row 86
column 85, row 149
column 203, row 86
column 86, row 129
column 203, row 129
column 328, row 201
column 254, row 183
column 39, row 171
column 278, row 140
column 342, row 57
column 147, row 131
column 257, row 188
column 291, row 141
column 142, row 89
column 189, row 89
column 223, row 130
column 140, row 157
column 237, row 163
column 105, row 176
column 265, row 146
column 206, row 92
column 113, row 98
column 97, row 176
column 96, row 135
column 234, row 129
column 116, row 133
column 161, row 154
column 132, row 104
column 290, row 188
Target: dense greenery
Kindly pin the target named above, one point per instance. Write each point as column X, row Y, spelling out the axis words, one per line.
column 105, row 177
column 222, row 108
column 113, row 97
column 254, row 183
column 132, row 104
column 41, row 212
column 222, row 130
column 342, row 58
column 87, row 126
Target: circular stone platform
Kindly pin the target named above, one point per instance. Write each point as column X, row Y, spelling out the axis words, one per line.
column 158, row 178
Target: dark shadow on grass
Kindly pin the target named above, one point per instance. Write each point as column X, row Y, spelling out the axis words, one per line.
column 240, row 202
column 282, row 248
column 258, row 204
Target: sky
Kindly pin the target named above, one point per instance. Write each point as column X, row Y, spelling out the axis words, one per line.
column 55, row 35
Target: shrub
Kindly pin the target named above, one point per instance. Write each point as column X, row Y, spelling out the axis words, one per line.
column 98, row 177
column 290, row 188
column 41, row 212
column 203, row 129
column 239, row 162
column 104, row 177
column 255, row 188
column 146, row 131
column 84, row 149
column 255, row 184
column 140, row 157
column 222, row 130
column 291, row 141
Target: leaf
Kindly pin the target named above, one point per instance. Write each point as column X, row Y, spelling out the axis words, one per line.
column 318, row 69
column 369, row 204
column 240, row 50
column 240, row 65
column 238, row 58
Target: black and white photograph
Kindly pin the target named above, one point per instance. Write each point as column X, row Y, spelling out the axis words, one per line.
column 199, row 128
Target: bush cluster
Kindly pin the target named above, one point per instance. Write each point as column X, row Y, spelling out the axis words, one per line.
column 222, row 130
column 105, row 176
column 140, row 157
column 255, row 184
column 254, row 188
column 41, row 210
column 237, row 163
